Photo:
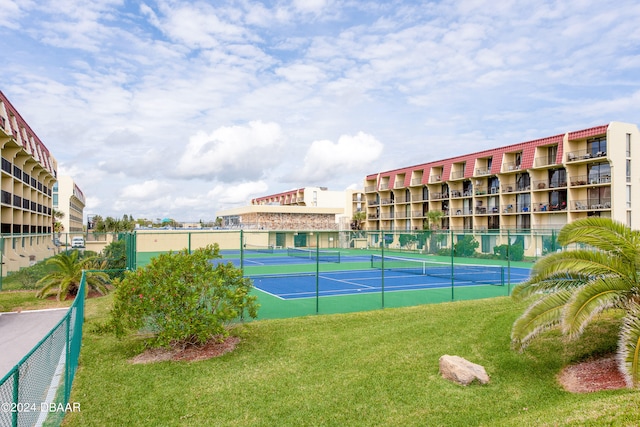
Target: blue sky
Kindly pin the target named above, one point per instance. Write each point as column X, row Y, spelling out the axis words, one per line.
column 180, row 109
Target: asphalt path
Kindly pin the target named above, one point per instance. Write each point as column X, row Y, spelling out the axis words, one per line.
column 20, row 332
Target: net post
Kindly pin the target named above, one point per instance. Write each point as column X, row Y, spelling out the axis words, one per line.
column 317, row 273
column 452, row 261
column 241, row 251
column 382, row 242
column 508, row 261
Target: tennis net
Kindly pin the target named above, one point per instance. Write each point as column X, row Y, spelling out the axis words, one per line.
column 321, row 254
column 260, row 249
column 481, row 274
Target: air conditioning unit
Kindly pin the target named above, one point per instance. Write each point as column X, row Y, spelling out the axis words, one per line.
column 494, row 190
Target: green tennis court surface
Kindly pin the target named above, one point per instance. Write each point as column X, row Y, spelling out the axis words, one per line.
column 292, row 283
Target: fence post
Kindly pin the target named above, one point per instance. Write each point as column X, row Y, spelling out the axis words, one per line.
column 317, row 272
column 16, row 397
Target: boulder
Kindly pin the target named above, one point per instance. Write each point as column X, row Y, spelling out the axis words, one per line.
column 461, row 371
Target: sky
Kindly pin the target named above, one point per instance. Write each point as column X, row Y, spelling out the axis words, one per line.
column 181, row 109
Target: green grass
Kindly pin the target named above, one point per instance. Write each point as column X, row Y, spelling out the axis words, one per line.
column 26, row 300
column 361, row 369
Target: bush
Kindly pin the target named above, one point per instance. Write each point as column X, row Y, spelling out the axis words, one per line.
column 516, row 252
column 116, row 258
column 183, row 298
column 466, row 247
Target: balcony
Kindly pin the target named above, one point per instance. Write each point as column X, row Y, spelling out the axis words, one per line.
column 592, row 204
column 435, row 178
column 574, row 156
column 482, row 172
column 457, row 175
column 549, row 207
column 510, row 167
column 416, row 182
column 544, row 161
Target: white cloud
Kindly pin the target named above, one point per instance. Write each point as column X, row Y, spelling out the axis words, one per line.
column 238, row 194
column 352, row 153
column 177, row 108
column 232, row 153
column 146, row 190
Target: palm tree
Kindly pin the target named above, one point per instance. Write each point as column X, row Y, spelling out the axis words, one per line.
column 569, row 288
column 67, row 273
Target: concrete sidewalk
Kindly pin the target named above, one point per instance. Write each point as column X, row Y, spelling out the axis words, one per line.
column 20, row 332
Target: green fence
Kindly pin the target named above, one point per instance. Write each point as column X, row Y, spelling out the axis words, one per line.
column 36, row 391
column 265, row 253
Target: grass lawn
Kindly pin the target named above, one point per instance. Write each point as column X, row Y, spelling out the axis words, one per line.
column 26, row 300
column 362, row 369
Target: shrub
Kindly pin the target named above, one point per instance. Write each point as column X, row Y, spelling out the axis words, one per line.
column 183, row 298
column 516, row 252
column 116, row 258
column 466, row 247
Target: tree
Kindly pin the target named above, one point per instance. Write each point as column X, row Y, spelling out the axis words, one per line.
column 67, row 273
column 57, row 225
column 569, row 288
column 358, row 220
column 184, row 298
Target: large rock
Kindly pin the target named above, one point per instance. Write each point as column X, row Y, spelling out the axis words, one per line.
column 461, row 371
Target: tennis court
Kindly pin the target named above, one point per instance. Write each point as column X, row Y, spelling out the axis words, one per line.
column 281, row 273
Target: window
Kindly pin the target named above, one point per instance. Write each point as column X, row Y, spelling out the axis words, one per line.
column 628, row 170
column 523, row 182
column 597, row 146
column 558, row 200
column 599, row 198
column 599, row 173
column 557, row 178
column 628, row 145
column 552, row 153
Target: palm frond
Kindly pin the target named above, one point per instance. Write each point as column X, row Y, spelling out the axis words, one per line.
column 540, row 316
column 604, row 234
column 593, row 298
column 629, row 348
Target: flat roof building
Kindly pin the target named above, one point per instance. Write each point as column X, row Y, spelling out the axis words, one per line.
column 69, row 199
column 308, row 208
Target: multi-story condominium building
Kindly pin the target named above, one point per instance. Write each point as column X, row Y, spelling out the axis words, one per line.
column 309, row 208
column 535, row 185
column 308, row 196
column 28, row 176
column 69, row 199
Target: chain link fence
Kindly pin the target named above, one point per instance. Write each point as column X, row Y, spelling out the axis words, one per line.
column 36, row 391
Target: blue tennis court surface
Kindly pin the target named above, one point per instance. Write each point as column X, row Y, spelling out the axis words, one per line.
column 289, row 274
column 333, row 283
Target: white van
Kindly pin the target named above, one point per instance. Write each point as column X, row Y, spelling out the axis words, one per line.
column 77, row 242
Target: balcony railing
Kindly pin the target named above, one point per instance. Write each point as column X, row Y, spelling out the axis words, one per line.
column 549, row 207
column 457, row 174
column 592, row 204
column 435, row 178
column 574, row 156
column 511, row 167
column 481, row 172
column 544, row 161
column 439, row 196
column 416, row 181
